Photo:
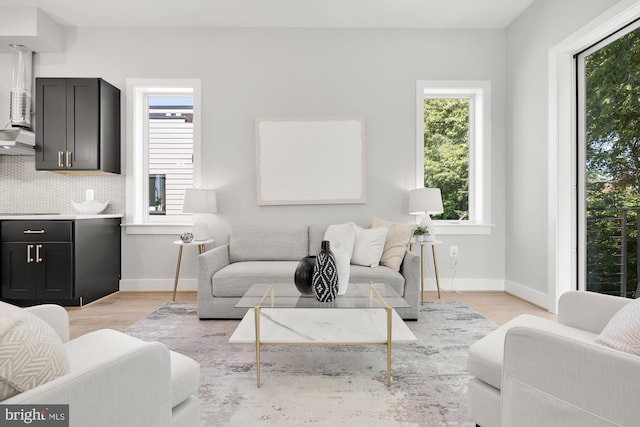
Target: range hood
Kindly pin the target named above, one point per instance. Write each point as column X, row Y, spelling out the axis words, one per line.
column 17, row 141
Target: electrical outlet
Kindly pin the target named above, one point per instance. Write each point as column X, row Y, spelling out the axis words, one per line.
column 453, row 251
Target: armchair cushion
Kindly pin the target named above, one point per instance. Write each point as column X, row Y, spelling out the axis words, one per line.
column 589, row 311
column 623, row 330
column 486, row 356
column 31, row 352
column 55, row 316
column 185, row 377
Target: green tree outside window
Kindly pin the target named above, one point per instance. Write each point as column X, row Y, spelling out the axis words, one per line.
column 446, row 153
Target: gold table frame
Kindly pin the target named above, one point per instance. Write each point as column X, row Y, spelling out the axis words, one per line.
column 373, row 292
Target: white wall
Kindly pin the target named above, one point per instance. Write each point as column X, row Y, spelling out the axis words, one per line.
column 543, row 25
column 301, row 73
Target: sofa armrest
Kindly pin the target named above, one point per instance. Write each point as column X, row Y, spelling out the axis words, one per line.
column 410, row 270
column 209, row 263
column 548, row 379
column 115, row 380
column 589, row 311
column 55, row 315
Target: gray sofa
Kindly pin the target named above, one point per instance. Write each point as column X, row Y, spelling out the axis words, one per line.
column 271, row 254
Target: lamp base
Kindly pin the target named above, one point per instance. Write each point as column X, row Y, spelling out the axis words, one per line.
column 201, row 229
column 428, row 223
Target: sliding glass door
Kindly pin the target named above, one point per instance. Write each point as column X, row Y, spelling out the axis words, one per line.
column 608, row 76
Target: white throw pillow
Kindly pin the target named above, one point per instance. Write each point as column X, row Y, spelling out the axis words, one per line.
column 32, row 353
column 396, row 242
column 623, row 330
column 341, row 236
column 341, row 239
column 343, row 264
column 368, row 246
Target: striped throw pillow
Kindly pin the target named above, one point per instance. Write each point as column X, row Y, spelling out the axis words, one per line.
column 623, row 330
column 31, row 353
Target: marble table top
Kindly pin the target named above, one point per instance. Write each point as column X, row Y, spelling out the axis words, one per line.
column 322, row 326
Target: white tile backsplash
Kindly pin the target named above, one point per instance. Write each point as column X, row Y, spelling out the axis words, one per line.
column 25, row 190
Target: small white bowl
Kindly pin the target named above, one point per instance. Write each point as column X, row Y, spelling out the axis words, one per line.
column 90, row 207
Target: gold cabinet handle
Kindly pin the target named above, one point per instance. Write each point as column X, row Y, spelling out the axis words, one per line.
column 29, row 259
column 33, row 232
column 68, row 159
column 60, row 164
column 38, row 259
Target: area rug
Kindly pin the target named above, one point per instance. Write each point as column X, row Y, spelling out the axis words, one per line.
column 327, row 386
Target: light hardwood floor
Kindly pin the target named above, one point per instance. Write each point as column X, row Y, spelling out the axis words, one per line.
column 120, row 310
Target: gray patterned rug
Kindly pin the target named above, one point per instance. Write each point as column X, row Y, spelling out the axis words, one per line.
column 327, row 386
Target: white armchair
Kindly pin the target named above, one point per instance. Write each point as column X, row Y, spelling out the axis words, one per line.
column 537, row 372
column 117, row 380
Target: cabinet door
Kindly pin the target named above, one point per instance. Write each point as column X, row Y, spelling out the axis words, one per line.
column 83, row 123
column 19, row 273
column 55, row 262
column 51, row 124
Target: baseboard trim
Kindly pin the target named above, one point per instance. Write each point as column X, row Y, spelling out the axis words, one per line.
column 526, row 293
column 446, row 284
column 429, row 284
column 157, row 284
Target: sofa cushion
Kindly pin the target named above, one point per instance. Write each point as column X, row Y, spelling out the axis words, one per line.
column 395, row 242
column 623, row 330
column 486, row 355
column 268, row 243
column 368, row 246
column 316, row 236
column 235, row 279
column 343, row 265
column 31, row 353
column 381, row 274
column 342, row 238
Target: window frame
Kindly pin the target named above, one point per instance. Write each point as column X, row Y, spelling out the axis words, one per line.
column 580, row 141
column 138, row 220
column 479, row 93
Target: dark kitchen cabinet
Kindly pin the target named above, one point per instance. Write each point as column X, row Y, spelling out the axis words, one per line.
column 67, row 262
column 37, row 271
column 77, row 125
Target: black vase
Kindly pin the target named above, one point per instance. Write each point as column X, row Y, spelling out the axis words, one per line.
column 304, row 275
column 325, row 275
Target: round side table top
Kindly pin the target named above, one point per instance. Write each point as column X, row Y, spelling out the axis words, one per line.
column 193, row 242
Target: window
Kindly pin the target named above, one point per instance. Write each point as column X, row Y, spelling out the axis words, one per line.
column 170, row 152
column 452, row 141
column 157, row 194
column 608, row 207
column 162, row 151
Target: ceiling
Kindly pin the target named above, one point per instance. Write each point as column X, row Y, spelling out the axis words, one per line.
column 496, row 14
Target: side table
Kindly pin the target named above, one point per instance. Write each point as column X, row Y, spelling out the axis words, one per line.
column 435, row 265
column 201, row 247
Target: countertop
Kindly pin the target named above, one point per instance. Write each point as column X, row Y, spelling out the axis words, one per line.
column 48, row 217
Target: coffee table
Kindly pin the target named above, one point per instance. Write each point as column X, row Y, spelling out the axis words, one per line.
column 280, row 315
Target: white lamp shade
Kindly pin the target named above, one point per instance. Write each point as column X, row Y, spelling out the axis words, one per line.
column 425, row 200
column 200, row 200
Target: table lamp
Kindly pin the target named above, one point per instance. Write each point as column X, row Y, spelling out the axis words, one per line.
column 200, row 201
column 426, row 201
